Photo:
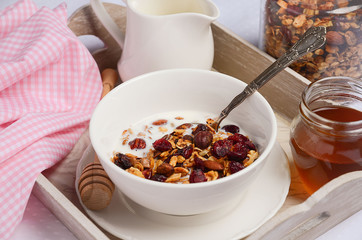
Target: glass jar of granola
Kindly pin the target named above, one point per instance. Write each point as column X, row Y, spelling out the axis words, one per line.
column 284, row 21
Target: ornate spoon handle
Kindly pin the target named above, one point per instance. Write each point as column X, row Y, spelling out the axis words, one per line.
column 312, row 39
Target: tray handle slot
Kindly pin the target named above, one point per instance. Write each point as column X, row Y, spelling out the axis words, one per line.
column 84, row 22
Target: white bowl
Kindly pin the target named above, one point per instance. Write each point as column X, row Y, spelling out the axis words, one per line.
column 181, row 90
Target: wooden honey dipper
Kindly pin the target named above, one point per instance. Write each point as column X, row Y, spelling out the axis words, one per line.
column 95, row 187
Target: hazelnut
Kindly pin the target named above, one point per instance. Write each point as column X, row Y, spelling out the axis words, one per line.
column 203, row 139
column 165, row 169
column 334, row 38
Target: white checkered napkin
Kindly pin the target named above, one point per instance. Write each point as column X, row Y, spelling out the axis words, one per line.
column 49, row 86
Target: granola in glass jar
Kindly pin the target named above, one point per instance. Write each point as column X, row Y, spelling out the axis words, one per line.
column 285, row 21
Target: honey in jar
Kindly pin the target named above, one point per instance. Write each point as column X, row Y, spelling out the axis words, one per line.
column 326, row 136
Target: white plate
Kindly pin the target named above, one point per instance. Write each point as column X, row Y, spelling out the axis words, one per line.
column 128, row 220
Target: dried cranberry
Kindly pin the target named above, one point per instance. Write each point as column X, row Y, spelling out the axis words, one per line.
column 340, row 18
column 250, row 145
column 147, row 173
column 237, row 137
column 231, row 128
column 337, row 23
column 287, row 34
column 294, row 10
column 123, row 161
column 235, row 166
column 200, row 127
column 162, row 145
column 238, row 152
column 203, row 139
column 197, row 175
column 166, row 137
column 187, row 151
column 199, row 164
column 272, row 13
column 137, row 143
column 158, row 178
column 221, row 148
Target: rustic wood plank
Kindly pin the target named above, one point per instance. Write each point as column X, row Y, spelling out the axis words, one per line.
column 65, row 210
column 334, row 202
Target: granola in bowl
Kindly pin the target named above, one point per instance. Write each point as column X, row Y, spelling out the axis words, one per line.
column 178, row 91
column 186, row 153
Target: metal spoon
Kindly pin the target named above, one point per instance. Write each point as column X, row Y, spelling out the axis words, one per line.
column 312, row 39
column 344, row 10
column 353, row 5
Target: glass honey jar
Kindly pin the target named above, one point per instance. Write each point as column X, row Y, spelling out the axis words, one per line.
column 326, row 136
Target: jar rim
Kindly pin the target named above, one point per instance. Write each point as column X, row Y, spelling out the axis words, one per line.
column 324, row 86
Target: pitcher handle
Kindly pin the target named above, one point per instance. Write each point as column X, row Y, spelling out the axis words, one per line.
column 108, row 22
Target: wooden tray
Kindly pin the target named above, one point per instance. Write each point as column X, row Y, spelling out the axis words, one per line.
column 299, row 218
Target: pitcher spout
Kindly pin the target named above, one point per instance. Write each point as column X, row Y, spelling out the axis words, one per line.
column 210, row 10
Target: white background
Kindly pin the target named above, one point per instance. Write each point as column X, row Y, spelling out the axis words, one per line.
column 242, row 17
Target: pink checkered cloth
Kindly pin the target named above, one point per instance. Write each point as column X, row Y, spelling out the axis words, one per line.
column 49, row 86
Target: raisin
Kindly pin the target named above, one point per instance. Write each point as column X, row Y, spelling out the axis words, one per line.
column 231, row 128
column 158, row 178
column 123, row 161
column 199, row 164
column 187, row 151
column 162, row 145
column 188, row 138
column 197, row 175
column 168, row 159
column 200, row 127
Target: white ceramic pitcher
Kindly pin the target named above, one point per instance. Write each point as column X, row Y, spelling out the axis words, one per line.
column 162, row 34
